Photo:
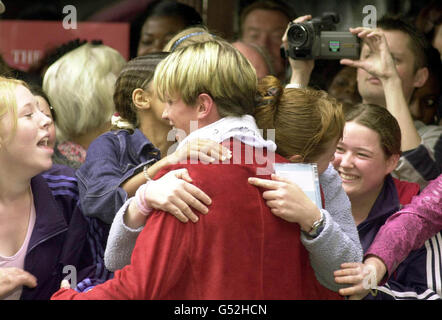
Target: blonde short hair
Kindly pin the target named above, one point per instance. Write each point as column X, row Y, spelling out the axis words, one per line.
column 213, row 67
column 80, row 86
column 8, row 102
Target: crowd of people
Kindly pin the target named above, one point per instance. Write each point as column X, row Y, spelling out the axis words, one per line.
column 153, row 178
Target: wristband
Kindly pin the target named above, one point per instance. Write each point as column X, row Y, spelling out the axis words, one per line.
column 140, row 200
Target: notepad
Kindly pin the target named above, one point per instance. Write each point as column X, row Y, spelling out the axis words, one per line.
column 305, row 175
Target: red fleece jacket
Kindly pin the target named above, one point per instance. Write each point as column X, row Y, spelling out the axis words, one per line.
column 239, row 250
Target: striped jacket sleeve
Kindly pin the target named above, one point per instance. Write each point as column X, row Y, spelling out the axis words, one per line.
column 418, row 277
column 64, row 188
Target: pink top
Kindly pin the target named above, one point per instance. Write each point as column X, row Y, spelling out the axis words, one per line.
column 409, row 228
column 18, row 259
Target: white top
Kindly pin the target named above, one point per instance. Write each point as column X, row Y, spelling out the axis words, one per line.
column 242, row 128
column 18, row 259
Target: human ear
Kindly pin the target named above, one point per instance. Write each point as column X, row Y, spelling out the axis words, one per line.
column 140, row 98
column 205, row 105
column 420, row 77
column 392, row 162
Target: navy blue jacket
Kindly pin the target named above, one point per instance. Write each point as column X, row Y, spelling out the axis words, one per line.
column 418, row 276
column 111, row 159
column 62, row 236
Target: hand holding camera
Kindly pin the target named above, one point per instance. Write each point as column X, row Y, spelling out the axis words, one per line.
column 301, row 69
column 316, row 39
column 306, row 39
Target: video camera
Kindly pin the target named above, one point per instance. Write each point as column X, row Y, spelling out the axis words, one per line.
column 316, row 39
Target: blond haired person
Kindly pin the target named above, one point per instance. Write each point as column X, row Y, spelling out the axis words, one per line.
column 120, row 161
column 80, row 86
column 295, row 113
column 240, row 249
column 42, row 227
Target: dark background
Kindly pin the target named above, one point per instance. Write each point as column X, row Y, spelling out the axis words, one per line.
column 219, row 15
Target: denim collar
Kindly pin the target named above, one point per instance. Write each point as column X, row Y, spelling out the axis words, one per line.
column 140, row 146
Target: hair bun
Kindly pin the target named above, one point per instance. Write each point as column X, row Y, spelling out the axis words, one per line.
column 269, row 91
column 267, row 101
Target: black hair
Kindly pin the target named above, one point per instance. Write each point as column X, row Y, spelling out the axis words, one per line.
column 160, row 8
column 137, row 73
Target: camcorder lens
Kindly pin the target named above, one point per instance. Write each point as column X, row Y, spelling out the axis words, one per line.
column 297, row 35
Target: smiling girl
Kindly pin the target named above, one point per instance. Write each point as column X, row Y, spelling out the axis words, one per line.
column 365, row 157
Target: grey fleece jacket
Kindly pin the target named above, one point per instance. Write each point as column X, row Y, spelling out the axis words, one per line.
column 339, row 240
column 337, row 243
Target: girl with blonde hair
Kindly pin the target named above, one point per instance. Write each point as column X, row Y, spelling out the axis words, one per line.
column 121, row 161
column 42, row 227
column 80, row 86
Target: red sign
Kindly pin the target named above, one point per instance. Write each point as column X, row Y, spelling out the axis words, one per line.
column 24, row 42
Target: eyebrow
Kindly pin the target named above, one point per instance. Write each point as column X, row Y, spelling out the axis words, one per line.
column 397, row 54
column 340, row 143
column 29, row 104
column 364, row 150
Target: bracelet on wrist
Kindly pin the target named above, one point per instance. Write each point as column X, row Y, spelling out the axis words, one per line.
column 145, row 173
column 317, row 227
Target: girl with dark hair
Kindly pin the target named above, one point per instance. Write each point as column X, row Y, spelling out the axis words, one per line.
column 159, row 23
column 365, row 157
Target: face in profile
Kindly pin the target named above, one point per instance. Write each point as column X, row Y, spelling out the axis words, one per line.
column 156, row 106
column 181, row 116
column 327, row 156
column 361, row 161
column 28, row 146
column 156, row 32
column 46, row 109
